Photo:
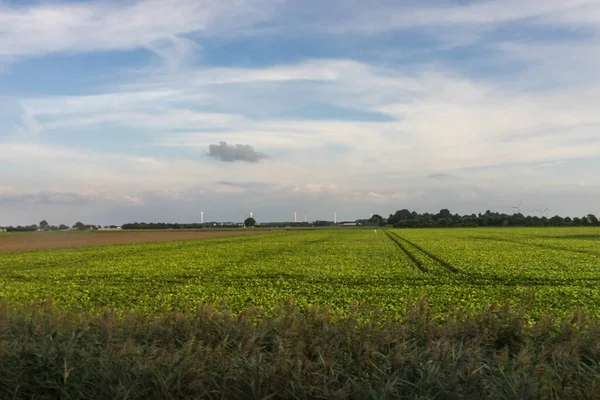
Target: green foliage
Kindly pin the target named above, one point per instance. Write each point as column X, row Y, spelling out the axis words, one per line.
column 208, row 353
column 79, row 225
column 394, row 314
column 407, row 219
column 249, row 222
column 29, row 228
column 549, row 270
column 162, row 225
column 377, row 220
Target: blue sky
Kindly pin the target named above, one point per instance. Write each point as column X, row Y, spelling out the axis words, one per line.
column 108, row 109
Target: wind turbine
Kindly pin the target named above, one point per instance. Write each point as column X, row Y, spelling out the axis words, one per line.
column 546, row 210
column 541, row 209
column 202, row 217
column 305, row 217
column 334, row 218
column 295, row 217
column 518, row 207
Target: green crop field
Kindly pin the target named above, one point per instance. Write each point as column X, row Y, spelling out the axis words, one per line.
column 501, row 320
column 548, row 270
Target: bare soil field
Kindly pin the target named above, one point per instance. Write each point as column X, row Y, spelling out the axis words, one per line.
column 45, row 241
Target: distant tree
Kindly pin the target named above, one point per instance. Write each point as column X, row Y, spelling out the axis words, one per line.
column 585, row 221
column 79, row 225
column 44, row 225
column 322, row 223
column 377, row 219
column 593, row 220
column 63, row 227
column 400, row 215
column 568, row 220
column 445, row 213
column 249, row 222
column 30, row 228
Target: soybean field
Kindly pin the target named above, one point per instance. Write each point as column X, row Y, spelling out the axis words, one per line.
column 554, row 270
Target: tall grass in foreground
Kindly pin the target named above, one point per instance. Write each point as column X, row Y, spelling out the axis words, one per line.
column 46, row 353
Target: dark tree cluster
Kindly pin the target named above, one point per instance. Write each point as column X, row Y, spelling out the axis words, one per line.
column 375, row 220
column 160, row 225
column 43, row 226
column 411, row 219
column 28, row 228
column 323, row 223
column 287, row 224
column 80, row 226
column 165, row 225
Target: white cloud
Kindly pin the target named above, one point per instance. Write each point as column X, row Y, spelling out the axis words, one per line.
column 444, row 121
column 441, row 118
column 465, row 22
column 165, row 27
column 106, row 102
column 83, row 27
column 163, row 119
column 28, row 124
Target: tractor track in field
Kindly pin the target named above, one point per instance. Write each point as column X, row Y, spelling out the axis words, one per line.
column 441, row 261
column 417, row 263
column 477, row 280
column 399, row 240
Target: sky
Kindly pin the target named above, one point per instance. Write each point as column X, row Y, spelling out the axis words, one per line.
column 123, row 111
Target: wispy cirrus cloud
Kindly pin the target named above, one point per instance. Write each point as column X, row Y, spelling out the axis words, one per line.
column 163, row 28
column 483, row 14
column 29, row 30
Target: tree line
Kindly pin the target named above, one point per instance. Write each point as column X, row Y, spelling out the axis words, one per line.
column 411, row 219
column 400, row 219
column 167, row 225
column 45, row 226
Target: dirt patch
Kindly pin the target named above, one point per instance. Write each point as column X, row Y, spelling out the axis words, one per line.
column 59, row 240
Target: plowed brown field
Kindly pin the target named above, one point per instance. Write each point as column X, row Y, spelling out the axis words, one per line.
column 62, row 240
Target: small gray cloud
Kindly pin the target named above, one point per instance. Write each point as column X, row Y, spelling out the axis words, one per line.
column 232, row 153
column 337, row 148
column 227, row 183
column 439, row 175
column 245, row 185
